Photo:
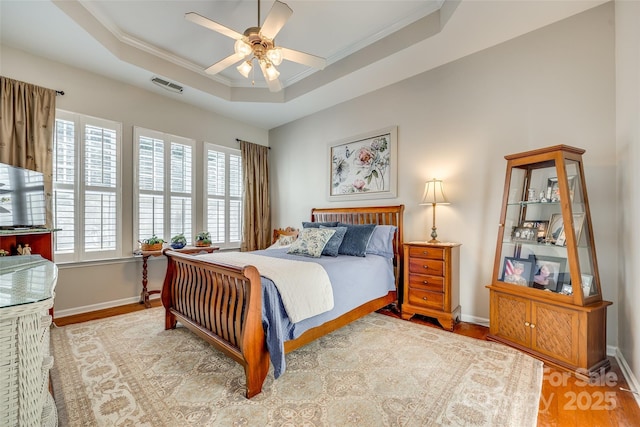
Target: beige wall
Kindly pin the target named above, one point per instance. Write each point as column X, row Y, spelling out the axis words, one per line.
column 96, row 285
column 553, row 86
column 628, row 150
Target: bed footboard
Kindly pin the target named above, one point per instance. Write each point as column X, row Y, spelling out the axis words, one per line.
column 223, row 305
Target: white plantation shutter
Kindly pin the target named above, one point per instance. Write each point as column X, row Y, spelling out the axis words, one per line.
column 223, row 192
column 164, row 185
column 86, row 187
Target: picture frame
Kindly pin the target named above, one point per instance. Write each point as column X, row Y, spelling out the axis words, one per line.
column 553, row 188
column 364, row 166
column 516, row 274
column 555, row 232
column 566, row 289
column 555, row 276
column 587, row 284
column 540, row 226
column 555, row 228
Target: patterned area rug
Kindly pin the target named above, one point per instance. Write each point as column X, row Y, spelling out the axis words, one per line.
column 378, row 371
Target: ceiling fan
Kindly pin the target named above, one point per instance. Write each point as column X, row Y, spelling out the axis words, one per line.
column 258, row 43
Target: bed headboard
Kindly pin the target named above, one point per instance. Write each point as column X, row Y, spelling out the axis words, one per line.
column 383, row 215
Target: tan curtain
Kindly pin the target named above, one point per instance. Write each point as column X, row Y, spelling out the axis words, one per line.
column 256, row 230
column 27, row 117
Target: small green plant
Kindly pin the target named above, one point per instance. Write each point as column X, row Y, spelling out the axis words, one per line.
column 203, row 238
column 153, row 240
column 178, row 241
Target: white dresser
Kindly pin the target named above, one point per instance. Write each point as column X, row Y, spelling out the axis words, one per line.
column 27, row 286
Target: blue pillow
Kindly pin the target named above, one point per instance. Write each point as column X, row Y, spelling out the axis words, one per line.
column 381, row 241
column 333, row 245
column 356, row 239
column 318, row 224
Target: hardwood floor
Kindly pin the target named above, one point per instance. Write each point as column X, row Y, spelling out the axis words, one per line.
column 565, row 401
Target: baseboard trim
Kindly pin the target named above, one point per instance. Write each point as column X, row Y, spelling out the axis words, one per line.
column 634, row 385
column 101, row 306
column 474, row 319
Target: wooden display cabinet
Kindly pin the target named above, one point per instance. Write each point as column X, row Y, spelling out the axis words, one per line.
column 40, row 241
column 546, row 296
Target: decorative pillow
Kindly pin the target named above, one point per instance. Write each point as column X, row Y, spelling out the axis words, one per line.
column 381, row 241
column 318, row 224
column 356, row 239
column 311, row 242
column 333, row 245
column 283, row 242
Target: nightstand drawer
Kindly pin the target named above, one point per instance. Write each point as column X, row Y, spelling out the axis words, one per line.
column 426, row 299
column 430, row 283
column 426, row 266
column 426, row 252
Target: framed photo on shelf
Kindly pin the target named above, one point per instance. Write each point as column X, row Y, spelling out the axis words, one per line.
column 517, row 271
column 555, row 229
column 553, row 188
column 566, row 290
column 540, row 226
column 550, row 273
column 555, row 233
column 587, row 284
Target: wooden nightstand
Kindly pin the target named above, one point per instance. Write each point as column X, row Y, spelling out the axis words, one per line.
column 431, row 285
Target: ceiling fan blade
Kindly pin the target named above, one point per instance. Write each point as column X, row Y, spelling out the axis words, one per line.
column 277, row 17
column 304, row 58
column 208, row 23
column 274, row 85
column 222, row 64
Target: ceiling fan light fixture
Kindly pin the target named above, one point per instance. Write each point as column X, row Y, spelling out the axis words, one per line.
column 242, row 49
column 270, row 72
column 275, row 55
column 245, row 68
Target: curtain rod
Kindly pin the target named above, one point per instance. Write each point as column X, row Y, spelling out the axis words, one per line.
column 60, row 92
column 240, row 140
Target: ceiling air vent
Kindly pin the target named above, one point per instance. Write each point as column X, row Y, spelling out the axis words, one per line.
column 171, row 87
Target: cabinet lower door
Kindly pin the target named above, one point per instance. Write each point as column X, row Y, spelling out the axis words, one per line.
column 510, row 318
column 555, row 332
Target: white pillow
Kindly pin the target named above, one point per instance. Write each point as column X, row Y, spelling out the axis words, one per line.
column 284, row 241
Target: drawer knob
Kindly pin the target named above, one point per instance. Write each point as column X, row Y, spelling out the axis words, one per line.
column 424, row 298
column 532, row 326
column 527, row 323
column 426, row 282
column 426, row 267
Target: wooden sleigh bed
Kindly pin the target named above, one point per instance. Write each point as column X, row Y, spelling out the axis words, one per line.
column 223, row 304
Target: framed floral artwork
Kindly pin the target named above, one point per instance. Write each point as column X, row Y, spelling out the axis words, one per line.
column 364, row 166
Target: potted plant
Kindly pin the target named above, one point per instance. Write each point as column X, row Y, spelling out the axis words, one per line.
column 153, row 243
column 178, row 241
column 203, row 239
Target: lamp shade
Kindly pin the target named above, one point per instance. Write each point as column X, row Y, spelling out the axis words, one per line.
column 434, row 193
column 245, row 68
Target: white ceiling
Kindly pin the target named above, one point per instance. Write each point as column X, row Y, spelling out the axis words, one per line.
column 368, row 44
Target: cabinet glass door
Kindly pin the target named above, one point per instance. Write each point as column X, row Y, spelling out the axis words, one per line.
column 544, row 221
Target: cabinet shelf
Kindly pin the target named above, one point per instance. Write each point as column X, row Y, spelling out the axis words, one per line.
column 546, row 296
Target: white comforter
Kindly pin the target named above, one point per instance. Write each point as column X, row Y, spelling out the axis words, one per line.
column 304, row 287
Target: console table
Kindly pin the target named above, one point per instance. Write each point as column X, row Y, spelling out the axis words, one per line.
column 144, row 294
column 27, row 286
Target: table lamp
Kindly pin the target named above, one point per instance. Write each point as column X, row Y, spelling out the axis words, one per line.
column 434, row 195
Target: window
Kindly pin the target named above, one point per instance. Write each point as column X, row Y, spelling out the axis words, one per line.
column 163, row 187
column 86, row 187
column 223, row 195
